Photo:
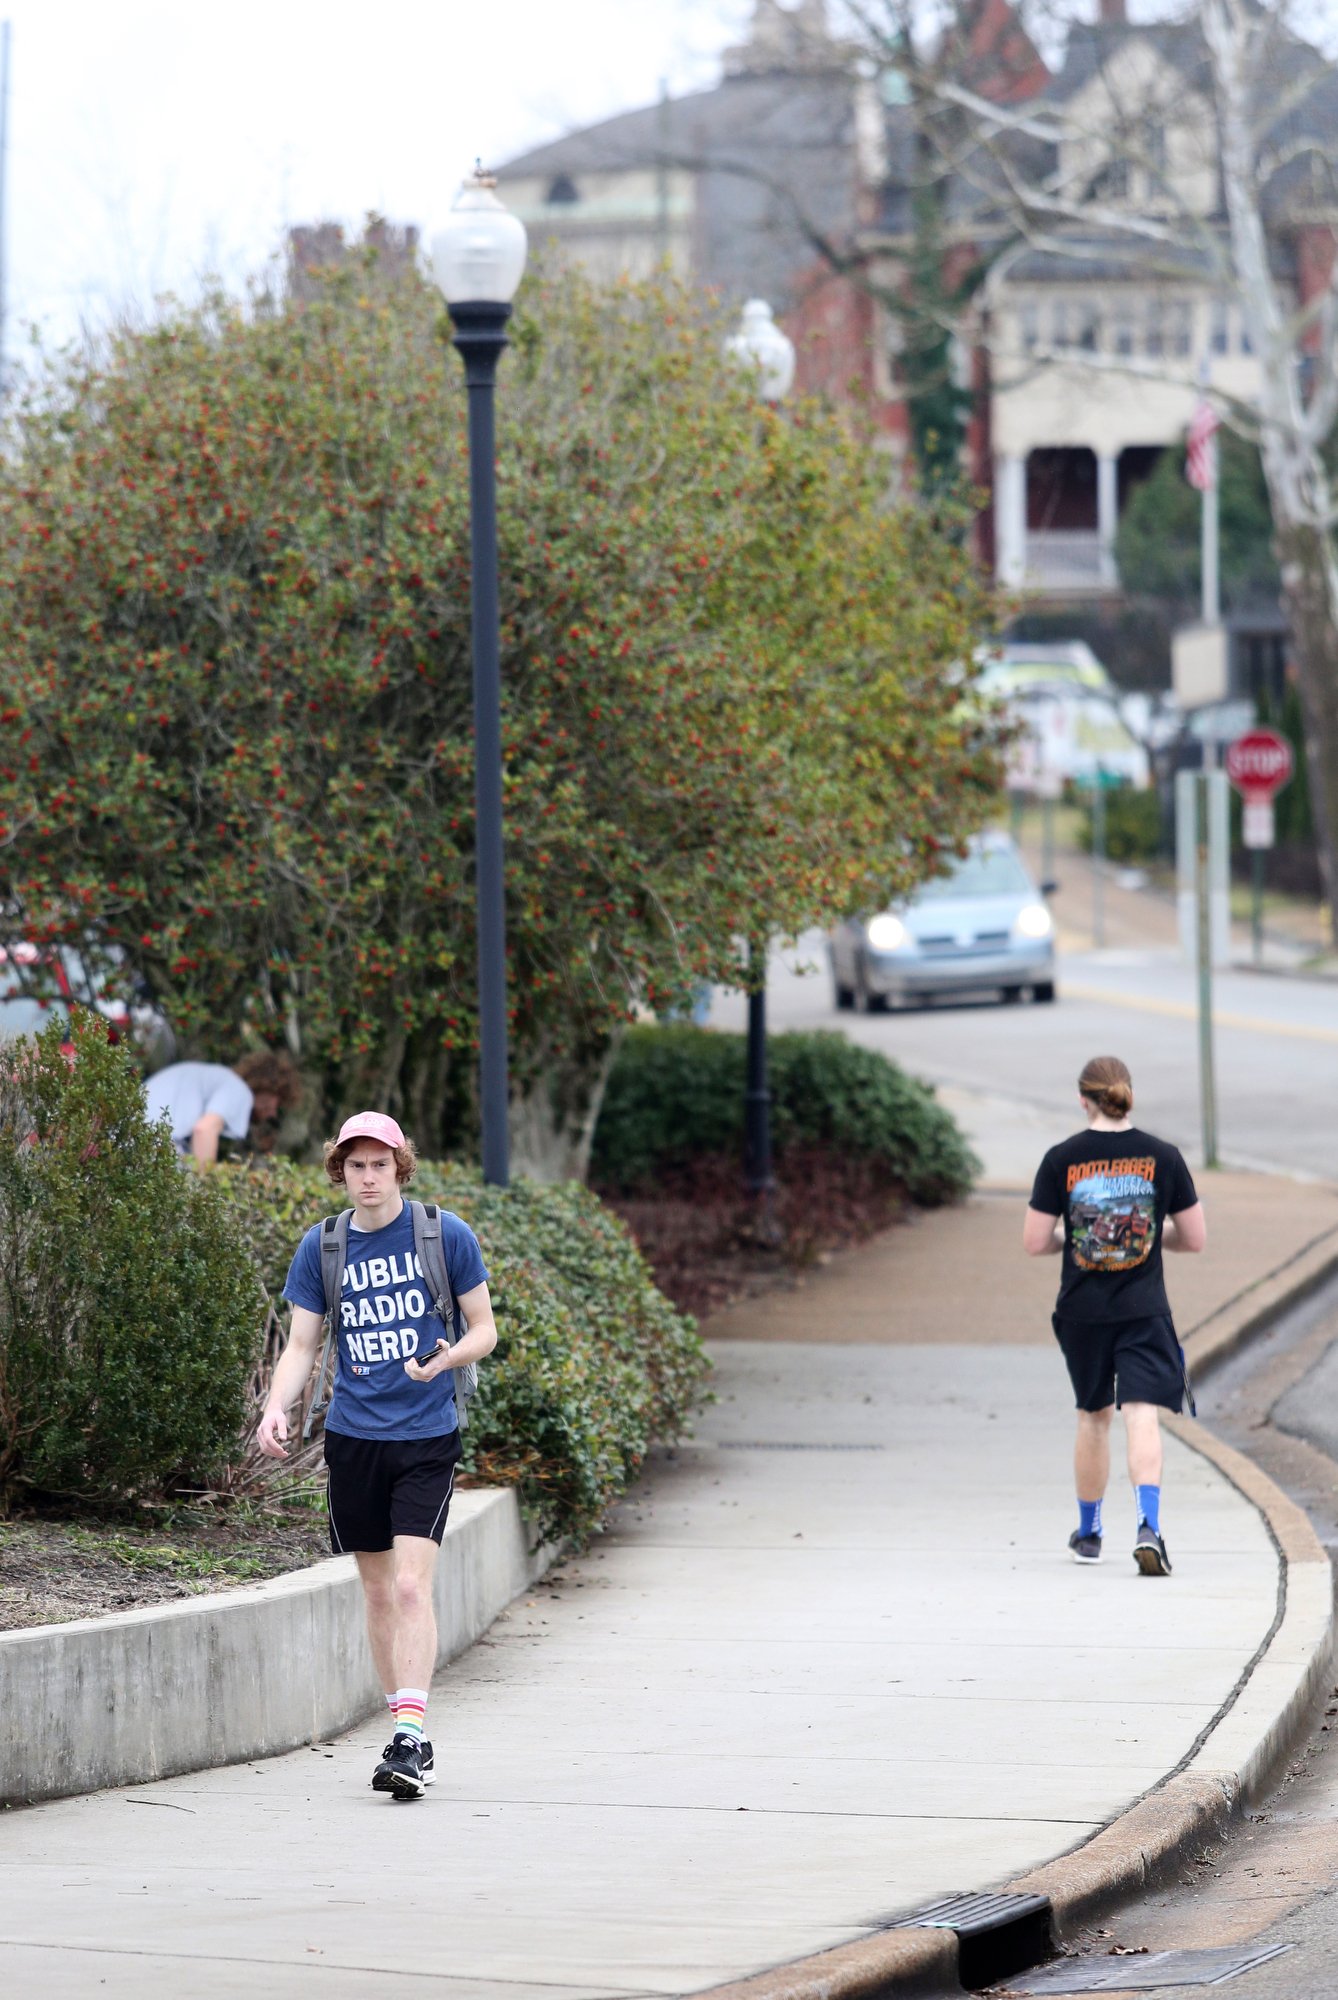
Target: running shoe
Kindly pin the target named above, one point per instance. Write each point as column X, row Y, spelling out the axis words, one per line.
column 400, row 1771
column 1085, row 1548
column 1150, row 1552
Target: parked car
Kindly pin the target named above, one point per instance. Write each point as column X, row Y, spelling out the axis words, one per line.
column 981, row 928
column 39, row 984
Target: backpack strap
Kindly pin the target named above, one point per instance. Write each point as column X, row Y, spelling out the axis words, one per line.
column 334, row 1256
column 430, row 1250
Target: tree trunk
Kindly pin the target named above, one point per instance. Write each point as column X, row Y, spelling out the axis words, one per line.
column 1310, row 593
column 553, row 1121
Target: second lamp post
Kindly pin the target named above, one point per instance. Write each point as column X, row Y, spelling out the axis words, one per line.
column 760, row 345
column 478, row 260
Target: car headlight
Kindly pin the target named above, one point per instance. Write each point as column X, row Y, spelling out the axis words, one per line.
column 887, row 933
column 1034, row 921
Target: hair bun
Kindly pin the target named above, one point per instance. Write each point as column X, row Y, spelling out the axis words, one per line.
column 1106, row 1082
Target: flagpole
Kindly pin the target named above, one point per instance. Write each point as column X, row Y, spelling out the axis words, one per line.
column 1212, row 599
column 1209, row 519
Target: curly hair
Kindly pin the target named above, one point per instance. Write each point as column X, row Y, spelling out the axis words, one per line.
column 406, row 1160
column 270, row 1072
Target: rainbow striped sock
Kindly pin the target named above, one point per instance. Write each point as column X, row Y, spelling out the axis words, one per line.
column 410, row 1705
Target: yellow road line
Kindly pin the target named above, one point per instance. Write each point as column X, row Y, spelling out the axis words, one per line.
column 1182, row 1010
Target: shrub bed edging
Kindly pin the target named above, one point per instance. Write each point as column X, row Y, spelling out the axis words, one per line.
column 237, row 1674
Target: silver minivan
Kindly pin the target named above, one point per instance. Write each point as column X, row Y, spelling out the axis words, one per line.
column 980, row 928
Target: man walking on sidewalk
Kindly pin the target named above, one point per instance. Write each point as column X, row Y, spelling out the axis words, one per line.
column 392, row 1439
column 1122, row 1197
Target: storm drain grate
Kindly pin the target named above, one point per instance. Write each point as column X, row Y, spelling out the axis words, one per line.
column 998, row 1933
column 760, row 1444
column 1142, row 1974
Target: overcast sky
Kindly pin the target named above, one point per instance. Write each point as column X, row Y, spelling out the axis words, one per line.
column 152, row 143
column 149, row 142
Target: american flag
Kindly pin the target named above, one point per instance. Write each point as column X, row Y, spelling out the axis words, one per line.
column 1200, row 457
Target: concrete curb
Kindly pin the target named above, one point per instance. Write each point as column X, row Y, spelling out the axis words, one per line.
column 235, row 1675
column 1234, row 1763
column 1247, row 1744
column 1218, row 1336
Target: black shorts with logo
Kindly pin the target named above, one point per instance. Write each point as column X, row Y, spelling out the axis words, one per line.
column 1122, row 1361
column 383, row 1487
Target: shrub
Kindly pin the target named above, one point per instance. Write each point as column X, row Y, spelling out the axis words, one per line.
column 592, row 1362
column 129, row 1312
column 1134, row 830
column 677, row 1093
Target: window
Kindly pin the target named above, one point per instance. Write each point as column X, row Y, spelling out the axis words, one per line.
column 1088, row 329
column 1246, row 344
column 1111, row 182
column 1219, row 328
column 1182, row 328
column 562, row 190
column 1122, row 334
column 1059, row 323
column 1154, row 330
column 1029, row 328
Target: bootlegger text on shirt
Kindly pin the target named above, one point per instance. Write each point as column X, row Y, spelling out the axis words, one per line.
column 1114, row 1191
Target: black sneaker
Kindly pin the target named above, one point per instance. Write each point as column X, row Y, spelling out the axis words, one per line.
column 1085, row 1548
column 1150, row 1552
column 400, row 1771
column 427, row 1763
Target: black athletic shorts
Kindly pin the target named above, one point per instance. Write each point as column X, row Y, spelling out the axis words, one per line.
column 1122, row 1361
column 383, row 1487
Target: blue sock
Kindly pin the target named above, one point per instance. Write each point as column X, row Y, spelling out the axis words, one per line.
column 1089, row 1517
column 1149, row 1507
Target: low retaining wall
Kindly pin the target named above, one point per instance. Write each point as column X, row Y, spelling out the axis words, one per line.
column 240, row 1674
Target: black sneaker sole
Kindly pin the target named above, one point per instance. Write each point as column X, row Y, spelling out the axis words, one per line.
column 404, row 1787
column 1152, row 1562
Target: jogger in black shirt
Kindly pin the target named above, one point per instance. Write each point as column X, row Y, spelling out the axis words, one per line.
column 1121, row 1197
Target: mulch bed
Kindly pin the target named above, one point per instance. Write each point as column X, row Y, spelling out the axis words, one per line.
column 54, row 1570
column 708, row 1242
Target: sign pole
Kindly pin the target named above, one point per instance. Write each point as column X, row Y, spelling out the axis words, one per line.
column 1207, row 1079
column 1259, row 764
column 1098, row 862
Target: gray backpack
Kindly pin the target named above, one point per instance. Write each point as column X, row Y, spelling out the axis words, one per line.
column 431, row 1254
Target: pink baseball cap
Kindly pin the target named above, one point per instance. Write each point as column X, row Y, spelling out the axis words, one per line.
column 371, row 1125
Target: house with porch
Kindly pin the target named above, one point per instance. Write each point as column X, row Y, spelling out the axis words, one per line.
column 793, row 179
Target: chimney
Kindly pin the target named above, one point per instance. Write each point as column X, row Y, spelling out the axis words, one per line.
column 1113, row 14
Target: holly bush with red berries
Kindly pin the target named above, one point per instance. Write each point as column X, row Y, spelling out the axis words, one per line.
column 235, row 684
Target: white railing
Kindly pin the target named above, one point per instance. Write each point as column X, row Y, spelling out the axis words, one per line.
column 1068, row 559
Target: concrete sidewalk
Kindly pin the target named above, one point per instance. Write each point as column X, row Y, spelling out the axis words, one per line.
column 829, row 1661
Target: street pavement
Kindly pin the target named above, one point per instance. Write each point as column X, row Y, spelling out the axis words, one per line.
column 1275, row 1040
column 829, row 1661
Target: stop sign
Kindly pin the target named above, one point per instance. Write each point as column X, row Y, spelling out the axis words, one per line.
column 1259, row 763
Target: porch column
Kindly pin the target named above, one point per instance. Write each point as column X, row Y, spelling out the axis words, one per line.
column 1107, row 517
column 1010, row 521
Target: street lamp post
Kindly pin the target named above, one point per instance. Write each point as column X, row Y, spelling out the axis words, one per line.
column 760, row 345
column 478, row 260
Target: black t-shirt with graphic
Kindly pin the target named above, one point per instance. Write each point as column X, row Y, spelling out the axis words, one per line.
column 1114, row 1191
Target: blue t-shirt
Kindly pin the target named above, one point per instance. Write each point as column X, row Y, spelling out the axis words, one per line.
column 386, row 1319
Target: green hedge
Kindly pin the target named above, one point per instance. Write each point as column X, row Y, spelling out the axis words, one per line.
column 677, row 1093
column 592, row 1362
column 1134, row 828
column 129, row 1311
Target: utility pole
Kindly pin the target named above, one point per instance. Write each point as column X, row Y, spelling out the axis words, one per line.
column 1207, row 1078
column 662, row 240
